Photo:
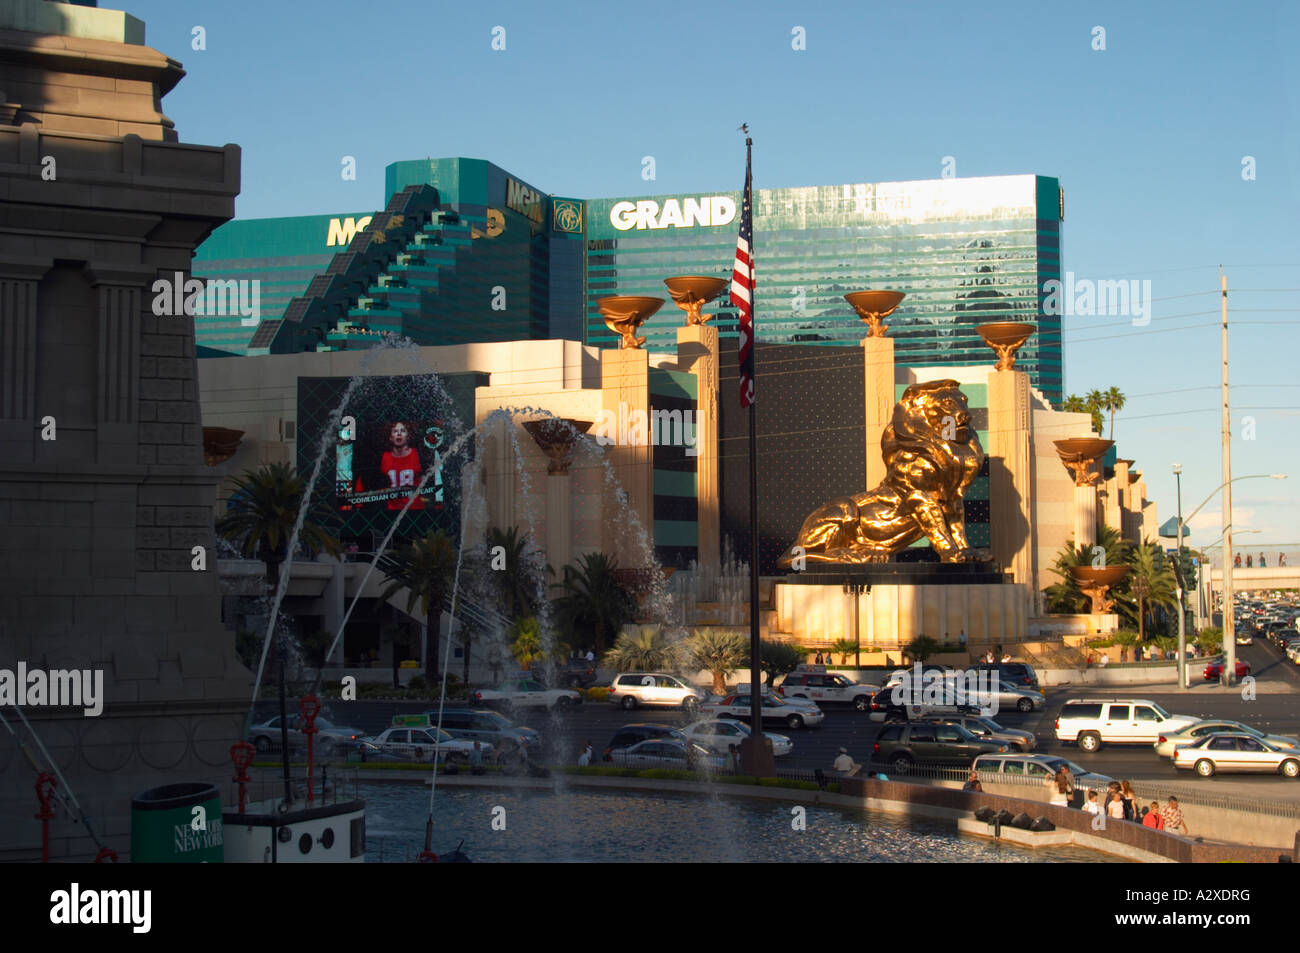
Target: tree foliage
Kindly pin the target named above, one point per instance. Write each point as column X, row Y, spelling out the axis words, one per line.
column 645, row 649
column 426, row 569
column 718, row 652
column 594, row 604
column 777, row 658
column 260, row 516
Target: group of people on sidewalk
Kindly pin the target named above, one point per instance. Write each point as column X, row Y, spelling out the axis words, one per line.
column 1120, row 804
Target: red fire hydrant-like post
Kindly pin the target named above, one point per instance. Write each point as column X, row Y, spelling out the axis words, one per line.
column 310, row 708
column 241, row 752
column 45, row 792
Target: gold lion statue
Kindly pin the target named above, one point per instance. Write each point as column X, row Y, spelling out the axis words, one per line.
column 931, row 455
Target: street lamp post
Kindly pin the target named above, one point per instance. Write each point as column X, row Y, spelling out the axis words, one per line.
column 1229, row 634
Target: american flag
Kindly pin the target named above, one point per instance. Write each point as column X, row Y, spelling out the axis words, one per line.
column 742, row 286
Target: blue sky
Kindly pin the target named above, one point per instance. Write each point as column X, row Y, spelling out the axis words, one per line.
column 1148, row 137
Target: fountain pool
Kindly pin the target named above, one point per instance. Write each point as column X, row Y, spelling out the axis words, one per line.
column 633, row 827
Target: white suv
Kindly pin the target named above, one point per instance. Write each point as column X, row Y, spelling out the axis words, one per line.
column 655, row 688
column 1091, row 721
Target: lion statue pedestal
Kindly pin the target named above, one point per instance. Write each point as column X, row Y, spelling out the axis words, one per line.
column 931, row 454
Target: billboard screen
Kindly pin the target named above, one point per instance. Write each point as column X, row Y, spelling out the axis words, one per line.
column 391, row 432
column 382, row 463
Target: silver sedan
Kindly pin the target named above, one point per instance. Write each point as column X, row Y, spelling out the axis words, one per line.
column 1236, row 753
column 1168, row 741
column 719, row 734
column 667, row 753
column 1018, row 697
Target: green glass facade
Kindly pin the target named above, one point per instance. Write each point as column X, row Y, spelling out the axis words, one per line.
column 501, row 260
column 966, row 251
column 498, row 260
column 283, row 254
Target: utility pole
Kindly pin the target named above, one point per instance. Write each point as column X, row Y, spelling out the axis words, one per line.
column 1182, row 585
column 1229, row 629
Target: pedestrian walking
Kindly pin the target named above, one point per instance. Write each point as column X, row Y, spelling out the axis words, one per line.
column 476, row 759
column 1236, row 562
column 733, row 758
column 1262, row 563
column 961, row 639
column 1281, row 559
column 1068, row 777
column 1152, row 817
column 584, row 759
column 1250, row 560
column 1173, row 816
column 817, row 659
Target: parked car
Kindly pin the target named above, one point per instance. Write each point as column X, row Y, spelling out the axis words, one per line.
column 1017, row 673
column 420, row 744
column 1168, row 741
column 981, row 727
column 719, row 734
column 1090, row 722
column 329, row 738
column 573, row 673
column 667, row 753
column 773, row 709
column 489, row 727
column 826, row 688
column 630, row 735
column 1214, row 669
column 1235, row 753
column 1019, row 697
column 903, row 745
column 527, row 693
column 1038, row 766
column 635, row 689
column 900, row 701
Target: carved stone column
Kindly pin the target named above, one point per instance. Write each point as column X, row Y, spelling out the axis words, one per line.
column 697, row 352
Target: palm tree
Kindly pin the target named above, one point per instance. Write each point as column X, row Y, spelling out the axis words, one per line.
column 778, row 658
column 526, row 642
column 427, row 570
column 513, row 583
column 718, row 652
column 921, row 648
column 1064, row 596
column 844, row 648
column 1151, row 583
column 1085, row 405
column 1114, row 401
column 260, row 514
column 1096, row 403
column 593, row 599
column 400, row 638
column 647, row 649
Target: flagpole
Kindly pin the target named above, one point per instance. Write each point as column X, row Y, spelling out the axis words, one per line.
column 758, row 762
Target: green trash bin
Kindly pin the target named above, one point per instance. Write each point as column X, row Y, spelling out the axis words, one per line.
column 165, row 828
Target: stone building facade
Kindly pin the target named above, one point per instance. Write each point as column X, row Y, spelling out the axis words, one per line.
column 103, row 489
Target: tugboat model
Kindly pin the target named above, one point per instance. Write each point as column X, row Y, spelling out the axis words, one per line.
column 286, row 830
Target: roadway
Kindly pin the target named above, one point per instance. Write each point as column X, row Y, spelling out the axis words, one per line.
column 1273, row 709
